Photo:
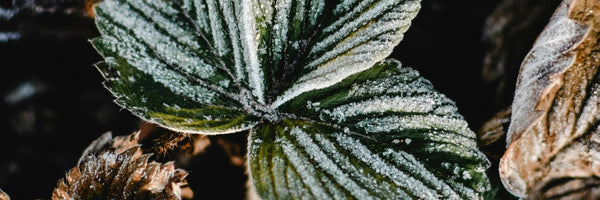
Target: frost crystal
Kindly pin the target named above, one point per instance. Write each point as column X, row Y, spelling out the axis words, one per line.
column 329, row 118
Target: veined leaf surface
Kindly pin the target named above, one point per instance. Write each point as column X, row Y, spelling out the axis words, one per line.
column 238, row 59
column 308, row 78
column 553, row 135
column 380, row 134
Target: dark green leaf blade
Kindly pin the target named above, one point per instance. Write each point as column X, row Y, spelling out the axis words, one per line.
column 384, row 133
column 249, row 55
column 159, row 69
column 155, row 103
column 354, row 36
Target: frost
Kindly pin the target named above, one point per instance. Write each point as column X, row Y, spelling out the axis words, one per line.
column 307, row 171
column 381, row 167
column 250, row 43
column 543, row 61
column 466, row 175
column 357, row 46
column 415, row 167
column 174, row 53
column 392, row 123
column 159, row 71
column 555, row 109
column 176, row 107
column 349, row 140
column 383, row 104
column 326, row 164
column 224, row 83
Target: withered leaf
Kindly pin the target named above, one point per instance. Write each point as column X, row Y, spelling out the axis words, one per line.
column 120, row 171
column 554, row 132
column 491, row 136
column 494, row 129
column 3, row 195
column 568, row 188
column 508, row 33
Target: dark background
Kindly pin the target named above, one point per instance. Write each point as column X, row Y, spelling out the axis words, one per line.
column 52, row 103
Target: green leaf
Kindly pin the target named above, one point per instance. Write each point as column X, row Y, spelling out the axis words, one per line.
column 242, row 59
column 383, row 133
column 329, row 119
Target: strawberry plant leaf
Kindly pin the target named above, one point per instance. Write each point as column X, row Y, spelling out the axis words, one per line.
column 382, row 133
column 307, row 78
column 213, row 57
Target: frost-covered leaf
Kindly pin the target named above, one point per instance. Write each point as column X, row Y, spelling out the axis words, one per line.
column 221, row 66
column 384, row 133
column 554, row 132
column 508, row 33
column 296, row 71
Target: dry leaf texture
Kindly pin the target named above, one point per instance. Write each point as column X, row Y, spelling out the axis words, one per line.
column 508, row 33
column 494, row 129
column 554, row 131
column 3, row 195
column 568, row 188
column 121, row 171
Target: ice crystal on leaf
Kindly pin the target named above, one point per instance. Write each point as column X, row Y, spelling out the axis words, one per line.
column 325, row 111
column 552, row 139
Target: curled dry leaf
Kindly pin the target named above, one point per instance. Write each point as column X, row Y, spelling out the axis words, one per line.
column 494, row 129
column 121, row 171
column 508, row 33
column 3, row 195
column 492, row 135
column 119, row 144
column 554, row 132
column 568, row 188
column 172, row 141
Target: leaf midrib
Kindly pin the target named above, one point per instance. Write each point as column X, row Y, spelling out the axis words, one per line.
column 244, row 98
column 252, row 107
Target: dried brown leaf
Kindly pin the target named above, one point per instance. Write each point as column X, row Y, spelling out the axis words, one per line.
column 568, row 188
column 118, row 169
column 492, row 135
column 172, row 141
column 3, row 195
column 554, row 132
column 494, row 129
column 508, row 33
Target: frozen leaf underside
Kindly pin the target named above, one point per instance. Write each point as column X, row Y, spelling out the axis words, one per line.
column 328, row 117
column 554, row 133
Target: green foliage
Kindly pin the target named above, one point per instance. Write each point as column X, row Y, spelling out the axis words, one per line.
column 328, row 117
